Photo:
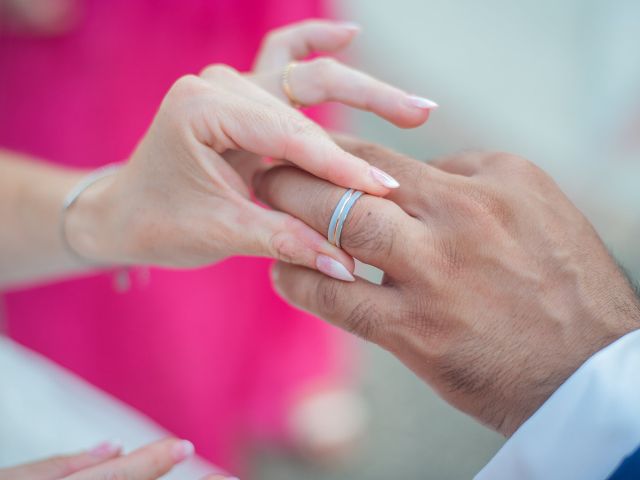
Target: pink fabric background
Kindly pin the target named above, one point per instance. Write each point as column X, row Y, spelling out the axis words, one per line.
column 211, row 354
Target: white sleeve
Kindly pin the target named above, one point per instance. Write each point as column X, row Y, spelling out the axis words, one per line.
column 586, row 428
column 46, row 410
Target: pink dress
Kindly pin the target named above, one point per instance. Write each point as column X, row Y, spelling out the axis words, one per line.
column 211, row 354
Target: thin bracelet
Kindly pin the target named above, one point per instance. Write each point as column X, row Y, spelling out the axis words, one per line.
column 72, row 197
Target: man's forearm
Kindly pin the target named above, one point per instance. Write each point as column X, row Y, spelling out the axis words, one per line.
column 31, row 197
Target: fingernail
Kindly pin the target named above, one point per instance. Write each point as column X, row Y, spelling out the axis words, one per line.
column 333, row 268
column 106, row 449
column 182, row 450
column 421, row 102
column 384, row 178
column 352, row 26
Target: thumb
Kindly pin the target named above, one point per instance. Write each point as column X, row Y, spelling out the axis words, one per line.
column 63, row 465
column 280, row 236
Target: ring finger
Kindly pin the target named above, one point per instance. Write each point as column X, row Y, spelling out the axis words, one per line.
column 375, row 230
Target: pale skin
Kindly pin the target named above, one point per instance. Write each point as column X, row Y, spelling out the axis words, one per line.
column 496, row 288
column 108, row 461
column 179, row 200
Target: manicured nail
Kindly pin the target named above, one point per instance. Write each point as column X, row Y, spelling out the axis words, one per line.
column 421, row 102
column 106, row 449
column 182, row 450
column 333, row 268
column 352, row 26
column 384, row 178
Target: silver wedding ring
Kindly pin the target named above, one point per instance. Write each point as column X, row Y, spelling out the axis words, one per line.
column 347, row 201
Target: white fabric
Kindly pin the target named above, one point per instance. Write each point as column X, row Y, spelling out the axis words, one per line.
column 46, row 410
column 586, row 428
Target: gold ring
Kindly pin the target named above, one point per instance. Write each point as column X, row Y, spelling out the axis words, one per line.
column 286, row 85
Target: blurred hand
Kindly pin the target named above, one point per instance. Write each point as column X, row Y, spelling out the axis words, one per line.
column 180, row 202
column 496, row 288
column 105, row 461
column 39, row 17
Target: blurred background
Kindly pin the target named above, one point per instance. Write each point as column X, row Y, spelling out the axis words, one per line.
column 556, row 82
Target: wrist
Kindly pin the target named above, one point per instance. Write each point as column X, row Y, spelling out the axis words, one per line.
column 90, row 225
column 588, row 341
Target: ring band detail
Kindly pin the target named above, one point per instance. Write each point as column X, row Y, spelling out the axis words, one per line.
column 336, row 214
column 286, row 85
column 350, row 203
column 340, row 213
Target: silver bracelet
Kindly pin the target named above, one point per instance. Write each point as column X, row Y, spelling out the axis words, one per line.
column 72, row 197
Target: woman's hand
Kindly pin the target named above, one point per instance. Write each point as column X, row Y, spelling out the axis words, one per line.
column 180, row 202
column 105, row 461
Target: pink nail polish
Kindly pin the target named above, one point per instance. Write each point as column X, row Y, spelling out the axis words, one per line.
column 333, row 268
column 421, row 102
column 182, row 450
column 106, row 449
column 384, row 178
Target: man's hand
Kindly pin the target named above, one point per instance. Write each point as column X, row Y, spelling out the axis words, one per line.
column 496, row 287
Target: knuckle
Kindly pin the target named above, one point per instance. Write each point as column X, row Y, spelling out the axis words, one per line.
column 284, row 247
column 276, row 37
column 324, row 71
column 365, row 321
column 181, row 98
column 186, row 87
column 368, row 151
column 219, row 72
column 511, row 162
column 500, row 158
column 297, row 132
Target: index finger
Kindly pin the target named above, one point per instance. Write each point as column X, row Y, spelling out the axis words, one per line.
column 240, row 115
